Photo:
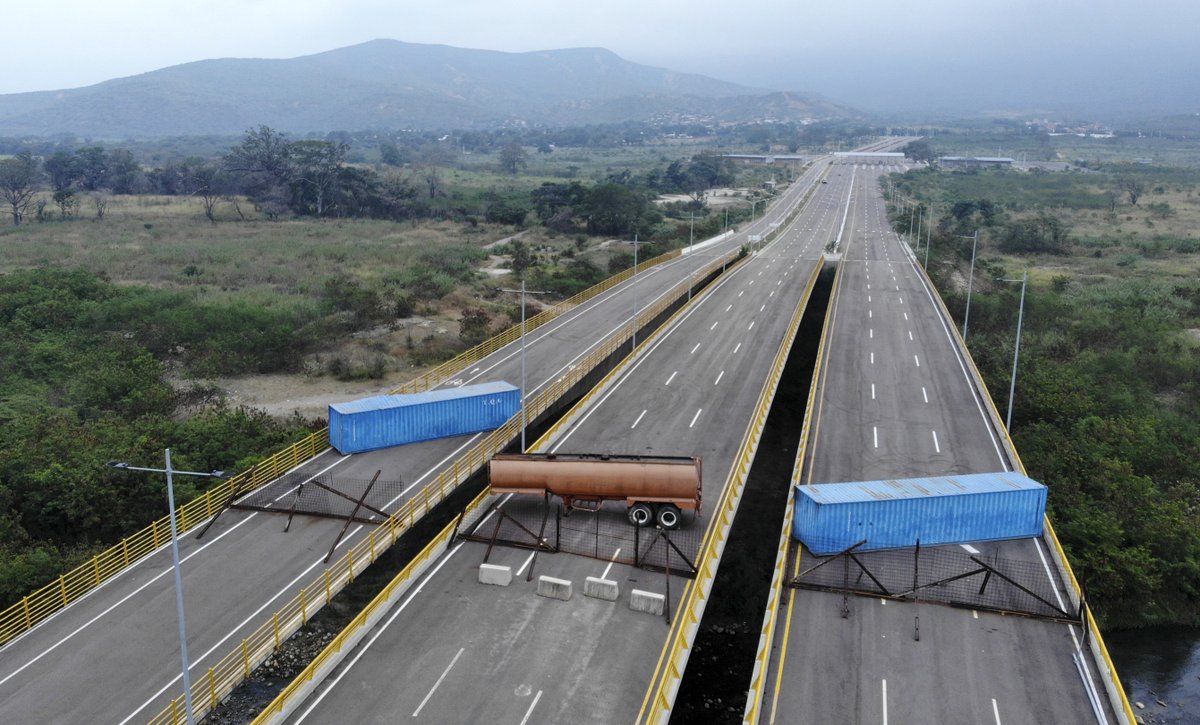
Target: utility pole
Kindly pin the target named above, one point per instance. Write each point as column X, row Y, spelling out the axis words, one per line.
column 523, row 291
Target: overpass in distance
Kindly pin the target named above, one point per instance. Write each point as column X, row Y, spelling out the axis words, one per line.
column 116, row 650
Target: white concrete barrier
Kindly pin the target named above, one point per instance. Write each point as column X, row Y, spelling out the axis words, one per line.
column 500, row 576
column 601, row 589
column 640, row 601
column 553, row 588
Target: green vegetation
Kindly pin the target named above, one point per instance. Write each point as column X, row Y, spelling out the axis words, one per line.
column 83, row 382
column 1107, row 409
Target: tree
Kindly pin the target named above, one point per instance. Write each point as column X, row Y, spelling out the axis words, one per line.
column 18, row 182
column 316, row 165
column 522, row 257
column 920, row 150
column 1132, row 186
column 512, row 158
column 473, row 327
column 263, row 162
column 203, row 180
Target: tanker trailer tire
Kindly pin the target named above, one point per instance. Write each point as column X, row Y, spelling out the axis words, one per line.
column 668, row 516
column 641, row 514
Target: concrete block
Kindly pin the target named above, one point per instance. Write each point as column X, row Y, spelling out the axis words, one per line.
column 640, row 601
column 548, row 586
column 495, row 574
column 601, row 588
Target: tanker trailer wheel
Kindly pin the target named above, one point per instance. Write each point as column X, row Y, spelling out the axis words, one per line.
column 641, row 514
column 668, row 516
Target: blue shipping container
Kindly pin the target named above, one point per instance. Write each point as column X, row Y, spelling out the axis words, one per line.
column 392, row 420
column 832, row 517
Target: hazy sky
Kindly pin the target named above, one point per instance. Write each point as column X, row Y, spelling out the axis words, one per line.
column 980, row 54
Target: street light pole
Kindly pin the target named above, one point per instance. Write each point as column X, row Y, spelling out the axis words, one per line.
column 523, row 291
column 1012, row 386
column 633, row 287
column 183, row 653
column 970, row 281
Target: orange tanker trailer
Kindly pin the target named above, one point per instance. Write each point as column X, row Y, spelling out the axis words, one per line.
column 654, row 488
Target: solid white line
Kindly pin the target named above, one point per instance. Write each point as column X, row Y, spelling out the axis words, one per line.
column 885, row 702
column 671, row 378
column 694, row 349
column 333, row 683
column 639, row 420
column 160, row 575
column 610, row 563
column 719, row 376
column 996, row 711
column 177, row 678
column 694, row 417
column 439, row 682
column 936, row 446
column 532, row 705
column 527, row 560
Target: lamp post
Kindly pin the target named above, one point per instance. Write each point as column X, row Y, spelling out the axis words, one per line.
column 633, row 286
column 183, row 653
column 1012, row 386
column 523, row 291
column 970, row 279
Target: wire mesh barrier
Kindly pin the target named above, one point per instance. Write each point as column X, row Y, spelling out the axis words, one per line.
column 327, row 496
column 946, row 575
column 605, row 534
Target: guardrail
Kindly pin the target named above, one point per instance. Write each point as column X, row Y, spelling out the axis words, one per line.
column 352, row 633
column 43, row 603
column 1112, row 682
column 660, row 696
column 766, row 637
column 209, row 689
column 46, row 601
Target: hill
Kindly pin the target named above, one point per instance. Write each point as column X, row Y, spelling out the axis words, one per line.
column 388, row 84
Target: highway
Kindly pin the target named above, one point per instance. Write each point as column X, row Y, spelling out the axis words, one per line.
column 113, row 655
column 455, row 650
column 895, row 399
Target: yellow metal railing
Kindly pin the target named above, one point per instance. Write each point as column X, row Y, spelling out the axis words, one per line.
column 48, row 600
column 660, row 696
column 1116, row 693
column 758, row 679
column 210, row 688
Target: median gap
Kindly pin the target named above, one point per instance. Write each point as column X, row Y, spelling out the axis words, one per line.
column 721, row 663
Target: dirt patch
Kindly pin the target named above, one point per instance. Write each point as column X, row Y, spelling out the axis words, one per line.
column 284, row 395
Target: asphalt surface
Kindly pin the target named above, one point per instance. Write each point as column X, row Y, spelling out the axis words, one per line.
column 895, row 401
column 455, row 650
column 113, row 656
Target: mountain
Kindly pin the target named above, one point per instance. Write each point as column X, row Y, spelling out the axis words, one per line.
column 388, row 84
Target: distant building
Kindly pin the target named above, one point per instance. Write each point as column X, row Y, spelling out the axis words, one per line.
column 975, row 162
